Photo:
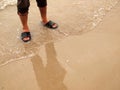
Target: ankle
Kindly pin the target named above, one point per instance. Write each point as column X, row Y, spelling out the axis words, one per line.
column 26, row 29
column 44, row 21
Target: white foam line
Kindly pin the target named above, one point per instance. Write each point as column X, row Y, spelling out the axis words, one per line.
column 5, row 3
column 17, row 59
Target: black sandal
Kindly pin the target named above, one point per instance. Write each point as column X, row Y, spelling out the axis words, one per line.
column 26, row 35
column 50, row 24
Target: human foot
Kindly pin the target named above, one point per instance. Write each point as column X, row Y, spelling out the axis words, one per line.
column 50, row 24
column 26, row 36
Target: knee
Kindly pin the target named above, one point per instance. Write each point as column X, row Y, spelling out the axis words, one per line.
column 23, row 11
column 22, row 14
column 23, row 6
column 41, row 3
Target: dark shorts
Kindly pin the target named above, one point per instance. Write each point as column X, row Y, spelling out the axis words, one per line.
column 23, row 5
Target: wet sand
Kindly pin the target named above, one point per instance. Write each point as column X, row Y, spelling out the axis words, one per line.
column 89, row 61
column 74, row 18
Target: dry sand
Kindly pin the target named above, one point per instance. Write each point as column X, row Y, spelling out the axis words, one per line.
column 90, row 61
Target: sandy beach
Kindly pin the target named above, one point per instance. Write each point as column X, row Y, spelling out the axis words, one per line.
column 64, row 59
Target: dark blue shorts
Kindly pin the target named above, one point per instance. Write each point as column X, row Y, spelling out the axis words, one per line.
column 23, row 5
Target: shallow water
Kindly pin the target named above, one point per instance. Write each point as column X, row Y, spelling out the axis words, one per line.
column 74, row 18
column 4, row 3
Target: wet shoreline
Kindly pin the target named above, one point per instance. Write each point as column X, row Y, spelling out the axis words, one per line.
column 12, row 48
column 90, row 61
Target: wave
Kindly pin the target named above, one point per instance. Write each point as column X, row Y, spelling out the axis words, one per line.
column 4, row 3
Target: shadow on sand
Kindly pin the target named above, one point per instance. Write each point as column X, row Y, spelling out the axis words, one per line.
column 52, row 76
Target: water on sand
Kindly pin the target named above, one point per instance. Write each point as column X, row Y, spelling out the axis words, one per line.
column 74, row 18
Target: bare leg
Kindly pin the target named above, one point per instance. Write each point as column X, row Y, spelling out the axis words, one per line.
column 24, row 19
column 43, row 11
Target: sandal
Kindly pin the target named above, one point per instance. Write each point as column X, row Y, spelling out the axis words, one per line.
column 26, row 35
column 50, row 24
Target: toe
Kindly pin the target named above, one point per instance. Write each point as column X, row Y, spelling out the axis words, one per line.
column 26, row 39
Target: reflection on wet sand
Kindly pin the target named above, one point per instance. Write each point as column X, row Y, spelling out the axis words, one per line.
column 78, row 17
column 52, row 76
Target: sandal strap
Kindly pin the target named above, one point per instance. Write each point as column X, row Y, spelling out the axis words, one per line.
column 25, row 35
column 50, row 24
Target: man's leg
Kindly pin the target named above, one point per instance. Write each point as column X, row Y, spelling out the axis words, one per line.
column 43, row 11
column 24, row 19
column 23, row 7
column 42, row 4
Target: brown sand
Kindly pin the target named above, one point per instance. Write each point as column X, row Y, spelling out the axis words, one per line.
column 86, row 62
